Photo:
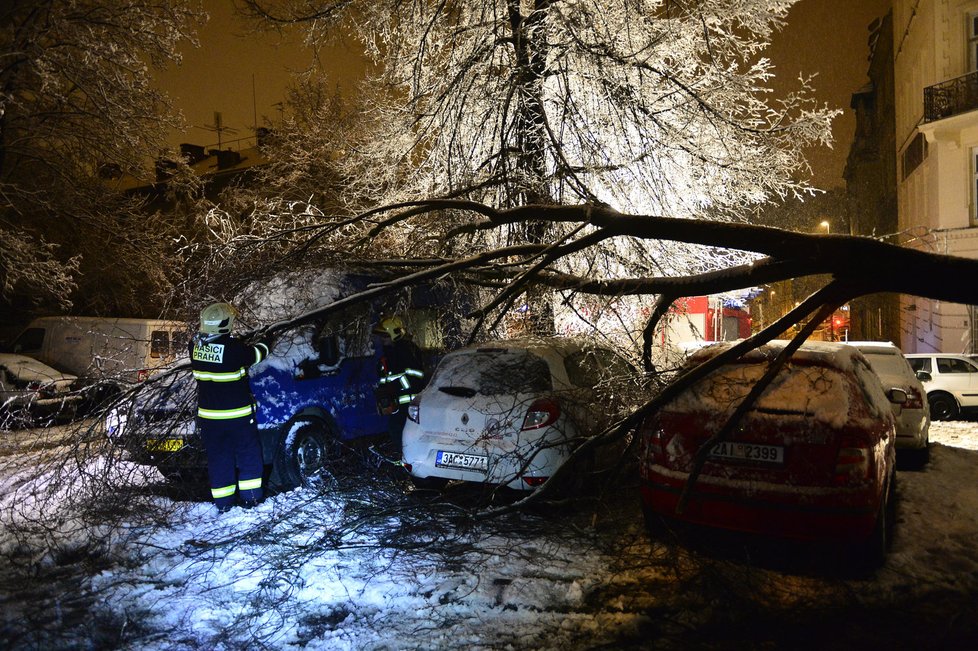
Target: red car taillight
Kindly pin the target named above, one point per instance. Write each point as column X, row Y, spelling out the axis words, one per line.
column 854, row 462
column 533, row 482
column 914, row 400
column 42, row 390
column 653, row 438
column 541, row 413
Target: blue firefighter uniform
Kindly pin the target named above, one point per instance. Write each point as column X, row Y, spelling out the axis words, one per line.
column 400, row 379
column 226, row 416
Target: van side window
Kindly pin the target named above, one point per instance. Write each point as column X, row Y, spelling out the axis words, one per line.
column 324, row 353
column 29, row 341
column 159, row 344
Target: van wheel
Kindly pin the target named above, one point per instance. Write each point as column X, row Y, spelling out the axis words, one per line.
column 307, row 452
column 943, row 406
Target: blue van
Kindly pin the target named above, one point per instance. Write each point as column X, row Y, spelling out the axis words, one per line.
column 315, row 392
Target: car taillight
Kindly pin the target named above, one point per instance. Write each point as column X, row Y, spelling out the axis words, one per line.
column 541, row 413
column 533, row 482
column 853, row 462
column 43, row 390
column 914, row 400
column 414, row 411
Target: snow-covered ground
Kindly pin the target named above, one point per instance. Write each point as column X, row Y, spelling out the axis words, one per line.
column 360, row 569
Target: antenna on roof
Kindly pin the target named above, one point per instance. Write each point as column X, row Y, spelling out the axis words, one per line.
column 218, row 127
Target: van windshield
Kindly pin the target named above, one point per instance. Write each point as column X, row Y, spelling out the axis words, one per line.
column 29, row 341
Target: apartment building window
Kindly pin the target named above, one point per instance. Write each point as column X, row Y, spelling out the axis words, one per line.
column 973, row 41
column 974, row 185
column 914, row 154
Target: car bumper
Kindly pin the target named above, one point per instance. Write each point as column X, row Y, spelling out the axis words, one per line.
column 914, row 435
column 837, row 514
column 504, row 464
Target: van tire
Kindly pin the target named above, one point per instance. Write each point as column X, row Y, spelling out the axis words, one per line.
column 307, row 451
column 943, row 406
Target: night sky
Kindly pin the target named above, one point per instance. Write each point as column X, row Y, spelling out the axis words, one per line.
column 245, row 76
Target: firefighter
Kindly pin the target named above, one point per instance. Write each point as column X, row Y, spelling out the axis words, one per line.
column 226, row 410
column 400, row 375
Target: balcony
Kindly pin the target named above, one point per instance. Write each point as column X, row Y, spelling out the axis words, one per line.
column 951, row 97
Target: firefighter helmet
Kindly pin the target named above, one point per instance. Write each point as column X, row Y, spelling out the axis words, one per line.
column 217, row 318
column 392, row 326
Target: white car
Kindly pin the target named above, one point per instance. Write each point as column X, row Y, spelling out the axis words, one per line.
column 951, row 382
column 511, row 412
column 32, row 393
column 913, row 416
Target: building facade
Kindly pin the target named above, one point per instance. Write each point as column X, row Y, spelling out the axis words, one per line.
column 935, row 64
column 871, row 193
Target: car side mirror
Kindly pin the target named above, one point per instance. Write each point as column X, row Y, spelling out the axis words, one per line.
column 923, row 376
column 897, row 396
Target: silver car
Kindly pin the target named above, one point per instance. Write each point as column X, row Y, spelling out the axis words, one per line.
column 913, row 416
column 951, row 382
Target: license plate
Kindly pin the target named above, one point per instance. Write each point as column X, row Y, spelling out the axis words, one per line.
column 461, row 461
column 164, row 445
column 748, row 452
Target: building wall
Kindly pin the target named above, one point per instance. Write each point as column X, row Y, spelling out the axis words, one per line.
column 936, row 200
column 871, row 186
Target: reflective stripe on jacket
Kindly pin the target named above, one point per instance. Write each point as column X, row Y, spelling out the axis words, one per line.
column 401, row 364
column 220, row 364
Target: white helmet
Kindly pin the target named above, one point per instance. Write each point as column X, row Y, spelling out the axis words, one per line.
column 217, row 318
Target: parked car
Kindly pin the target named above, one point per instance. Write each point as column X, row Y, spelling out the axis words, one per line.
column 511, row 412
column 813, row 459
column 913, row 416
column 34, row 394
column 315, row 391
column 951, row 382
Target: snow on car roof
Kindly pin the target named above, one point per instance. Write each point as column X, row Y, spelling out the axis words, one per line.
column 29, row 368
column 288, row 294
column 562, row 345
column 825, row 396
column 828, row 353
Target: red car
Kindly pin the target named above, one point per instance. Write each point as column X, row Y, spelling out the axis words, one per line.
column 813, row 459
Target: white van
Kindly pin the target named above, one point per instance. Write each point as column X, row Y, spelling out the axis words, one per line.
column 98, row 348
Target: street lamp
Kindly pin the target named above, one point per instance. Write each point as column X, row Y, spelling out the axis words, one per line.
column 826, row 226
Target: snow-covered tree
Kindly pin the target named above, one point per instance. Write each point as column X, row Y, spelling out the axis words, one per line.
column 656, row 107
column 76, row 108
column 651, row 106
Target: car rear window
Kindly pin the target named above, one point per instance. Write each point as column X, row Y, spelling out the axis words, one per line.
column 807, row 390
column 493, row 372
column 888, row 363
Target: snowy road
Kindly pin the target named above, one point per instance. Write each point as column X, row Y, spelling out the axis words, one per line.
column 381, row 570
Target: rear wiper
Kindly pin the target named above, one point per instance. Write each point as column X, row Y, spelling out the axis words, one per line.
column 460, row 392
column 782, row 412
